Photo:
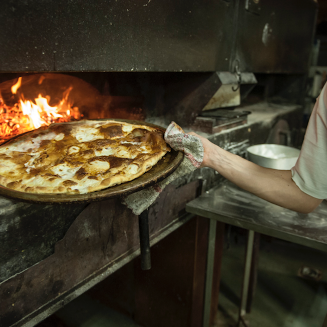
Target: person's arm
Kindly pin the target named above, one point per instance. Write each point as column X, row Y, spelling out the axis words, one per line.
column 273, row 185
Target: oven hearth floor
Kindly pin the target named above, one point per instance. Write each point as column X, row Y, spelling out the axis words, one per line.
column 282, row 299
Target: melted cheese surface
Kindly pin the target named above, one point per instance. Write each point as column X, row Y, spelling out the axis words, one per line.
column 79, row 157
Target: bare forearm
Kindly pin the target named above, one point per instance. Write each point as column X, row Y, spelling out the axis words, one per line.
column 275, row 186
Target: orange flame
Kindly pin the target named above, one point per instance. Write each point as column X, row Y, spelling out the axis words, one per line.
column 27, row 115
column 35, row 111
column 16, row 86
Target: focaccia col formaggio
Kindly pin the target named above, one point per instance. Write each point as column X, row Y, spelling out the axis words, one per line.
column 80, row 157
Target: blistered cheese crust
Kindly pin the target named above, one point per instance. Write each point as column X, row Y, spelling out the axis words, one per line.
column 80, row 157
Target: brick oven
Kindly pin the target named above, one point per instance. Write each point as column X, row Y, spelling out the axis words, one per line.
column 202, row 64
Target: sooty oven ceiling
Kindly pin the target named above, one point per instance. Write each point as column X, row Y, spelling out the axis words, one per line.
column 113, row 35
column 156, row 36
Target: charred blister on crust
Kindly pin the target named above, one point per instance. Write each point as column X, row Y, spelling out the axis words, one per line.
column 61, row 128
column 100, row 143
column 141, row 157
column 69, row 183
column 87, row 153
column 116, row 162
column 73, row 163
column 130, row 146
column 14, row 184
column 60, row 145
column 20, row 158
column 50, row 175
column 112, row 130
column 35, row 171
column 81, row 173
column 4, row 156
column 41, row 158
column 99, row 158
column 44, row 143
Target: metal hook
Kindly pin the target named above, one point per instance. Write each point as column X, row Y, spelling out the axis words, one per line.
column 238, row 77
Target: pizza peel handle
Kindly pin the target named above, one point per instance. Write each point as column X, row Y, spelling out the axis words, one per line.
column 166, row 166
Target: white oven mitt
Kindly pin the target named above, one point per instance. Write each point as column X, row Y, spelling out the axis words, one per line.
column 193, row 156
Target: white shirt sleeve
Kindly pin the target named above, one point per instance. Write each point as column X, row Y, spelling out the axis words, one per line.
column 310, row 170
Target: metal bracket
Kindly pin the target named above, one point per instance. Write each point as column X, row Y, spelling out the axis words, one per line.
column 144, row 240
column 203, row 184
column 238, row 75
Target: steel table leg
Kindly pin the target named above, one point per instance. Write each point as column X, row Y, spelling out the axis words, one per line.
column 325, row 322
column 144, row 241
column 253, row 274
column 246, row 277
column 209, row 272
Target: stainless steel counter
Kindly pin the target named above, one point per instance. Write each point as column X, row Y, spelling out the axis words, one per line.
column 229, row 204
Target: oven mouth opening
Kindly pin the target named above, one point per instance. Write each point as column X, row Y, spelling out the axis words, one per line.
column 32, row 101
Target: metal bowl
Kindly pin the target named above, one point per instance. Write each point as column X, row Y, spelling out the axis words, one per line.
column 273, row 156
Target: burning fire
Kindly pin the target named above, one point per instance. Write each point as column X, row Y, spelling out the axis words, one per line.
column 27, row 115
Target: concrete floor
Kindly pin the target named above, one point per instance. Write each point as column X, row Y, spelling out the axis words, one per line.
column 282, row 298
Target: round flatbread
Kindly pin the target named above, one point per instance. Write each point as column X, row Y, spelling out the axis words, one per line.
column 80, row 157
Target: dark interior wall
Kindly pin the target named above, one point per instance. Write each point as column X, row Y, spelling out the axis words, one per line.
column 275, row 36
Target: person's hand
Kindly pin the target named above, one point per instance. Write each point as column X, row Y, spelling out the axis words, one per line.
column 208, row 150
